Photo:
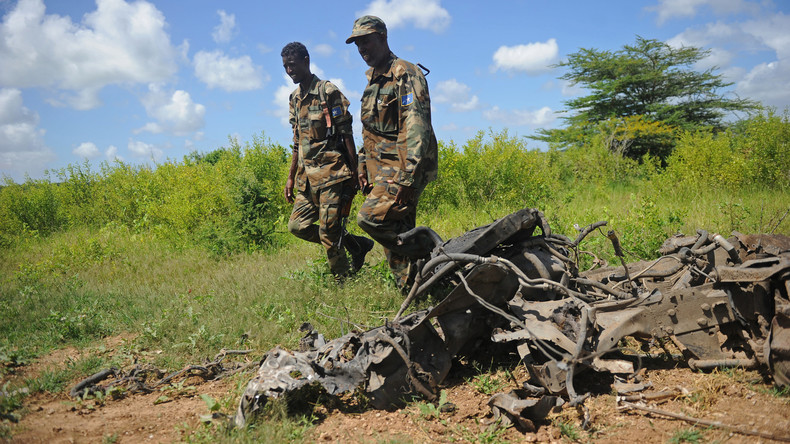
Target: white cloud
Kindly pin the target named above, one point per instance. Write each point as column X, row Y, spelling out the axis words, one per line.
column 532, row 58
column 772, row 32
column 117, row 43
column 22, row 148
column 422, row 14
column 457, row 94
column 86, row 150
column 223, row 32
column 217, row 70
column 540, row 118
column 768, row 82
column 669, row 9
column 144, row 150
column 280, row 100
column 112, row 154
column 175, row 113
column 323, row 50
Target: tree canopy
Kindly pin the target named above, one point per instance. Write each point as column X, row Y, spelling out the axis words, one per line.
column 650, row 84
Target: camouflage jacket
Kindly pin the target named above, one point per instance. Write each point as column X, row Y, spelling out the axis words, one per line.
column 320, row 160
column 398, row 140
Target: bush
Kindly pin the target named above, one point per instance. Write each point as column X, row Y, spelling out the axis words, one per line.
column 495, row 173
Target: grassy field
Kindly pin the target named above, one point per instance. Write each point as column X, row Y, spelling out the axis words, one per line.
column 193, row 256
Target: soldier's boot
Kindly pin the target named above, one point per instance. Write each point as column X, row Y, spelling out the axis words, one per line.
column 358, row 247
column 338, row 264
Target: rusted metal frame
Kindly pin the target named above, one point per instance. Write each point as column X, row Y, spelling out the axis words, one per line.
column 413, row 379
column 587, row 230
column 545, row 283
column 618, row 251
column 418, row 288
column 544, row 348
column 645, row 272
column 582, row 336
column 611, row 290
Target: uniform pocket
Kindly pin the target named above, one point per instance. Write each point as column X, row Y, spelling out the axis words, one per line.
column 316, row 123
column 380, row 204
column 380, row 110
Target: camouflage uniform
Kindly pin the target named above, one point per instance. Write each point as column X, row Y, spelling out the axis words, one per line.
column 399, row 148
column 322, row 176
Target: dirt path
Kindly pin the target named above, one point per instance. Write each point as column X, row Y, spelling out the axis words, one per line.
column 739, row 398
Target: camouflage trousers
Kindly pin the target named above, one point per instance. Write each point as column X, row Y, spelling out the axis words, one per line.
column 323, row 206
column 383, row 220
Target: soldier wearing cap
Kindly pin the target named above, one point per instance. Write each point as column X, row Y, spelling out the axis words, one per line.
column 323, row 164
column 399, row 153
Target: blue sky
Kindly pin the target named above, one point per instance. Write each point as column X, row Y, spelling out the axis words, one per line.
column 148, row 81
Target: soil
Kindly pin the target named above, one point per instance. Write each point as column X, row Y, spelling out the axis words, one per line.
column 739, row 398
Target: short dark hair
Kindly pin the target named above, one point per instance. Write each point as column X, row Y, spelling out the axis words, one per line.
column 294, row 49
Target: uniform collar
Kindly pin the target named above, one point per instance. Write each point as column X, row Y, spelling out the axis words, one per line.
column 313, row 89
column 392, row 58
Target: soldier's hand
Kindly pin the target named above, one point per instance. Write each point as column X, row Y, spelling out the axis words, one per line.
column 363, row 182
column 355, row 182
column 406, row 195
column 289, row 190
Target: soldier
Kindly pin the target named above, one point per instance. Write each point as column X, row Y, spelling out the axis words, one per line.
column 323, row 165
column 399, row 153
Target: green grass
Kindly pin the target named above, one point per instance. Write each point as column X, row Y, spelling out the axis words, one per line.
column 192, row 257
column 690, row 435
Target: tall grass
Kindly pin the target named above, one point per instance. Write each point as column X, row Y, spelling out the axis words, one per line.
column 194, row 254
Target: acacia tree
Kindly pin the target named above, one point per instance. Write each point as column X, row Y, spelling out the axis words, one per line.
column 649, row 80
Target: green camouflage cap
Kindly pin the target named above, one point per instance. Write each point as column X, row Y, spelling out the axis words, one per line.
column 365, row 25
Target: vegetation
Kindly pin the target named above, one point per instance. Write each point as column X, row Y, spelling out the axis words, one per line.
column 193, row 255
column 641, row 95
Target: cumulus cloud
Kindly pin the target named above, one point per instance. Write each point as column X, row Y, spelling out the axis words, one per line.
column 772, row 32
column 144, row 150
column 670, row 9
column 223, row 32
column 540, row 118
column 22, row 148
column 112, row 153
column 218, row 70
column 175, row 112
column 457, row 94
column 323, row 50
column 767, row 82
column 280, row 100
column 532, row 58
column 422, row 14
column 117, row 43
column 87, row 150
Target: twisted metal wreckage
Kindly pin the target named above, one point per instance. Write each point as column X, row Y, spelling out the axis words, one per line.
column 722, row 302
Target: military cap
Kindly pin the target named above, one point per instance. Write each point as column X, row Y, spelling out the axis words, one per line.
column 367, row 24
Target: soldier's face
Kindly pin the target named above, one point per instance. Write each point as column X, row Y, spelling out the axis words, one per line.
column 297, row 68
column 372, row 48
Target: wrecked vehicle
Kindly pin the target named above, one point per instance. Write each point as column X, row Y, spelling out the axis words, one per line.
column 722, row 302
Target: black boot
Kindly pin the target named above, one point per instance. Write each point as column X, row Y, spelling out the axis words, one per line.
column 358, row 247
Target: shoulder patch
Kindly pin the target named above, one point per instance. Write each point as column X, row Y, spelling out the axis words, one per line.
column 398, row 70
column 407, row 100
column 330, row 87
column 337, row 111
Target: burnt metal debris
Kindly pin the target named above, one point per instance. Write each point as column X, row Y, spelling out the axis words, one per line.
column 722, row 302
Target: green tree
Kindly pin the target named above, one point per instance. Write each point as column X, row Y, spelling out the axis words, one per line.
column 651, row 81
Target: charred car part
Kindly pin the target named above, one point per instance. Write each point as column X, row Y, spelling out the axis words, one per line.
column 722, row 302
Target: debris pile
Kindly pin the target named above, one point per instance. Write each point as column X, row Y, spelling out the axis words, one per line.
column 722, row 302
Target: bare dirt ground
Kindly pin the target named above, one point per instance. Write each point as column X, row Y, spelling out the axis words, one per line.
column 738, row 398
